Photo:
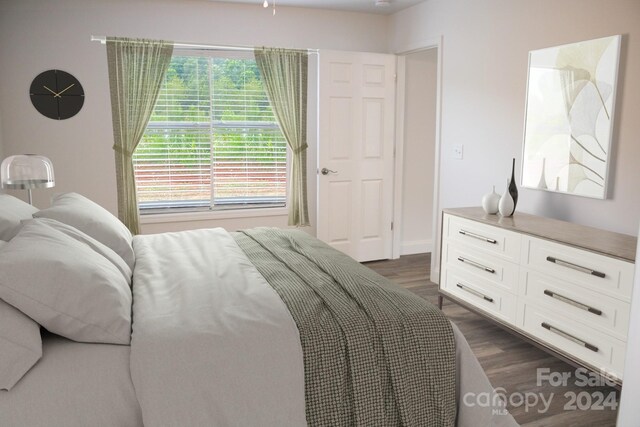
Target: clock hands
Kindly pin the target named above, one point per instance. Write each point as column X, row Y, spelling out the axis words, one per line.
column 64, row 90
column 54, row 94
column 61, row 92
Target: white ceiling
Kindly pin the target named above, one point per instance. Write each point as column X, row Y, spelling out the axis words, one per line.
column 348, row 5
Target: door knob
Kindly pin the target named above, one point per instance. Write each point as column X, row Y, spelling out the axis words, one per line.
column 325, row 171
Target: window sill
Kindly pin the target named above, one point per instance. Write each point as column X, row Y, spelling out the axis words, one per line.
column 160, row 218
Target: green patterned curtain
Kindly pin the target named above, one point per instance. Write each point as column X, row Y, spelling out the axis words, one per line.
column 136, row 71
column 284, row 73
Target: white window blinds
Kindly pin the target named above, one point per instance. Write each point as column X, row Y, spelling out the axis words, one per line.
column 212, row 140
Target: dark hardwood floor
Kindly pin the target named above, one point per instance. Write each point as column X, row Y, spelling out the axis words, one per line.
column 509, row 362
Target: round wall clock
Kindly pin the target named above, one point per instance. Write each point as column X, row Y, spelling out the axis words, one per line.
column 56, row 94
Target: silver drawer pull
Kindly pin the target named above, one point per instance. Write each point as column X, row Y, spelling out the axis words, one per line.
column 569, row 337
column 477, row 236
column 477, row 265
column 474, row 292
column 572, row 302
column 575, row 267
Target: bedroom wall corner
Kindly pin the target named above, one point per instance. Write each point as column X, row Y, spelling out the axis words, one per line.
column 485, row 56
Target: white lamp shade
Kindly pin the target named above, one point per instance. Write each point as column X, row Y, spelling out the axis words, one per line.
column 27, row 171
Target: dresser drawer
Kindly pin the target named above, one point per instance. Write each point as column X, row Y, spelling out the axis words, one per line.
column 589, row 270
column 480, row 293
column 503, row 274
column 594, row 310
column 572, row 338
column 502, row 243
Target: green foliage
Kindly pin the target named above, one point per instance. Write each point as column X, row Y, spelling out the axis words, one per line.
column 205, row 105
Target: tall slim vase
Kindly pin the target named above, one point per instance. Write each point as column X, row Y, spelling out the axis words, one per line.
column 513, row 190
column 506, row 206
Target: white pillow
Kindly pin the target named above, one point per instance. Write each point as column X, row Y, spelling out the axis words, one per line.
column 12, row 211
column 20, row 343
column 65, row 286
column 94, row 220
column 78, row 235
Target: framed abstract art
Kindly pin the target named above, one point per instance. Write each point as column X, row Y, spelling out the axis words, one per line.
column 569, row 117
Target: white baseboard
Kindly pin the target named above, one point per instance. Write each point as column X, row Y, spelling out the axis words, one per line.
column 435, row 276
column 416, row 247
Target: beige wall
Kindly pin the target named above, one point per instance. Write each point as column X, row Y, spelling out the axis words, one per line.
column 37, row 35
column 484, row 77
column 419, row 151
column 485, row 54
column 1, row 146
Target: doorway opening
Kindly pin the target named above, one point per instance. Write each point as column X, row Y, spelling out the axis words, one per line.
column 417, row 210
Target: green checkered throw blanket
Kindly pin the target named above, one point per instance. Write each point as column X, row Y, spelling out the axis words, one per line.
column 374, row 353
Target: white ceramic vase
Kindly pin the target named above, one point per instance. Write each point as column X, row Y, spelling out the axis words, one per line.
column 506, row 205
column 490, row 202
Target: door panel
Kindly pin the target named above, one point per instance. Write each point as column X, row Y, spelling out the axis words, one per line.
column 340, row 123
column 373, row 127
column 356, row 127
column 372, row 206
column 339, row 195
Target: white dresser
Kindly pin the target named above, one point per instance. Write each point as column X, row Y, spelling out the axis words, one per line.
column 564, row 286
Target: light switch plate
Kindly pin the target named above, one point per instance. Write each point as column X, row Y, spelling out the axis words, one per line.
column 457, row 151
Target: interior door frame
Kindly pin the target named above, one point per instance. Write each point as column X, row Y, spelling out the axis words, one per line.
column 431, row 43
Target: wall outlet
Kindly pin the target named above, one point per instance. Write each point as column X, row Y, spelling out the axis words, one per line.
column 456, row 151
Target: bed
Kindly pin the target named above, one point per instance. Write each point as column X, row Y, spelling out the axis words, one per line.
column 262, row 327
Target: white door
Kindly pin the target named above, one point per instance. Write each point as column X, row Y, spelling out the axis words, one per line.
column 355, row 153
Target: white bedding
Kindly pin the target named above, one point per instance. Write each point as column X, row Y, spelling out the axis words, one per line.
column 212, row 345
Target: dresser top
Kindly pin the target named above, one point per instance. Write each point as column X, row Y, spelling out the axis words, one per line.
column 617, row 245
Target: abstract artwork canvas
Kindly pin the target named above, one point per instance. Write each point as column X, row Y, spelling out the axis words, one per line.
column 569, row 117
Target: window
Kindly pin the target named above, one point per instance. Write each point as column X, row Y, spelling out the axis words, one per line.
column 212, row 141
